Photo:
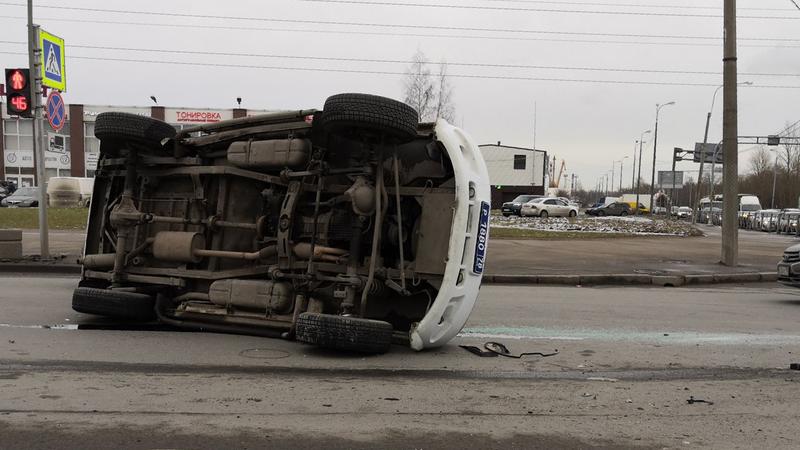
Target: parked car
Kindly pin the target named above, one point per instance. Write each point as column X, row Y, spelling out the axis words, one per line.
column 322, row 226
column 614, row 209
column 789, row 267
column 514, row 206
column 548, row 207
column 660, row 210
column 6, row 188
column 23, row 197
column 769, row 219
column 684, row 212
column 787, row 220
column 754, row 221
column 716, row 216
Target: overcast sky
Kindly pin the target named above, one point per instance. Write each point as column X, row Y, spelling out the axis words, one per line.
column 587, row 123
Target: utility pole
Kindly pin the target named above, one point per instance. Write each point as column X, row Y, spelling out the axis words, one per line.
column 730, row 132
column 774, row 179
column 34, row 63
column 633, row 170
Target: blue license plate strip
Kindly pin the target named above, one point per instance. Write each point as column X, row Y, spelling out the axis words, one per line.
column 481, row 239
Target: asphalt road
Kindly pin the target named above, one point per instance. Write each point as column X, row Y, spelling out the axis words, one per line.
column 758, row 252
column 628, row 360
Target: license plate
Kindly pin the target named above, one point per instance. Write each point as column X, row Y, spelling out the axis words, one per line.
column 481, row 239
column 783, row 271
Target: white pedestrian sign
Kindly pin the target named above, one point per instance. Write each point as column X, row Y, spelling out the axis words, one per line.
column 52, row 66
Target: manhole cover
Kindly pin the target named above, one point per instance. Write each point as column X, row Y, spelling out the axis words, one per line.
column 264, row 353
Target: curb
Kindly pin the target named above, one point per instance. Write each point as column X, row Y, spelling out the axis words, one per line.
column 633, row 279
column 51, row 268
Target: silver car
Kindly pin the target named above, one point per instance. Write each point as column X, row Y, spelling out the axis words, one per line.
column 22, row 197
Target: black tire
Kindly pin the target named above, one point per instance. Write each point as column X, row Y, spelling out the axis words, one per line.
column 573, row 213
column 116, row 128
column 544, row 214
column 376, row 116
column 344, row 333
column 624, row 213
column 601, row 213
column 116, row 304
column 506, row 215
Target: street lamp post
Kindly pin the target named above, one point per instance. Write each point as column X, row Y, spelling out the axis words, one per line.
column 698, row 192
column 613, row 172
column 655, row 147
column 639, row 176
column 620, row 173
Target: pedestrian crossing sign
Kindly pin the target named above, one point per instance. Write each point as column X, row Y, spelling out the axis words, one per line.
column 52, row 61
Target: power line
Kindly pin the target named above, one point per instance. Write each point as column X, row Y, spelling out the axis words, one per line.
column 631, row 5
column 425, row 35
column 401, row 26
column 518, row 9
column 405, row 61
column 395, row 4
column 795, row 4
column 377, row 72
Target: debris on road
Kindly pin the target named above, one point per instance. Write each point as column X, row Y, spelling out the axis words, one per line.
column 494, row 349
column 620, row 225
column 693, row 400
column 794, row 366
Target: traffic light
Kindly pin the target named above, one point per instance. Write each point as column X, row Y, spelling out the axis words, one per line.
column 18, row 92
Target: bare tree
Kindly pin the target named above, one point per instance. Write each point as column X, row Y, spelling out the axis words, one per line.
column 430, row 95
column 760, row 162
column 791, row 150
column 444, row 95
column 419, row 89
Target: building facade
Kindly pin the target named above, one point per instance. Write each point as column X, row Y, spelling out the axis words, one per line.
column 74, row 151
column 514, row 171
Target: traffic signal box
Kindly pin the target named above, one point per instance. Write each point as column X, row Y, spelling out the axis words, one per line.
column 18, row 93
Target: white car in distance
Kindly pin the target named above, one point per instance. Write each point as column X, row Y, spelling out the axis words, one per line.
column 548, row 207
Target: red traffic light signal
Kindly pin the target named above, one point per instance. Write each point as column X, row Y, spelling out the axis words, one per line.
column 19, row 93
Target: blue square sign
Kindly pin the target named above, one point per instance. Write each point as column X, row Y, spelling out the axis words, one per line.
column 52, row 61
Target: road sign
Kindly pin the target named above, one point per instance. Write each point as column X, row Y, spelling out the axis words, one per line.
column 708, row 150
column 54, row 72
column 665, row 180
column 56, row 111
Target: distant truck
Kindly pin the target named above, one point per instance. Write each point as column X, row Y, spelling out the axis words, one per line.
column 69, row 192
column 644, row 199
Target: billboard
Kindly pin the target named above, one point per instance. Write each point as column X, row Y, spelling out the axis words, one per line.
column 708, row 153
column 666, row 181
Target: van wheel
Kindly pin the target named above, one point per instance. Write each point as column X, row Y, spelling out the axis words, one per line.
column 371, row 115
column 115, row 129
column 344, row 333
column 116, row 304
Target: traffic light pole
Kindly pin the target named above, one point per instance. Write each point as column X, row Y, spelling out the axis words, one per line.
column 34, row 61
